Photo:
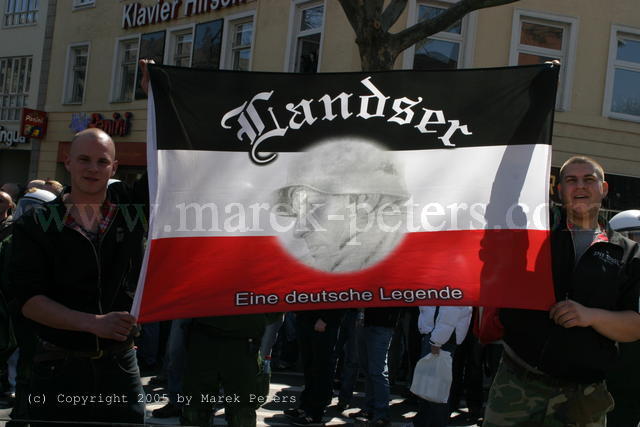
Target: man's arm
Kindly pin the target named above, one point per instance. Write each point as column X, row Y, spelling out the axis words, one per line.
column 144, row 83
column 113, row 325
column 620, row 326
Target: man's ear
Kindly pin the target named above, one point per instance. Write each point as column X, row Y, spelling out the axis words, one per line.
column 115, row 168
column 605, row 188
column 67, row 160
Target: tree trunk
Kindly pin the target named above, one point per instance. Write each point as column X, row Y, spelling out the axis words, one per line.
column 376, row 54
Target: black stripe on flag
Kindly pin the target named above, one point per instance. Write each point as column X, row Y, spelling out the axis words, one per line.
column 402, row 110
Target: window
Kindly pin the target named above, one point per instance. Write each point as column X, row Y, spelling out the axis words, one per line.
column 237, row 41
column 79, row 4
column 15, row 79
column 442, row 50
column 541, row 37
column 622, row 95
column 125, row 71
column 151, row 47
column 307, row 34
column 76, row 74
column 207, row 45
column 241, row 37
column 450, row 48
column 181, row 45
column 21, row 12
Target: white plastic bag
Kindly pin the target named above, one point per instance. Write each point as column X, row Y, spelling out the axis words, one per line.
column 432, row 377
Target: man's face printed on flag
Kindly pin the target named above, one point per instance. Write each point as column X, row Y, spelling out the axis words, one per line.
column 322, row 220
column 347, row 199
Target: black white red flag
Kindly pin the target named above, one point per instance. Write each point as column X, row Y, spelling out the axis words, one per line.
column 280, row 192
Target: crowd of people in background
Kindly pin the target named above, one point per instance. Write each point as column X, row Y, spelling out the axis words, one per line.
column 370, row 350
column 17, row 200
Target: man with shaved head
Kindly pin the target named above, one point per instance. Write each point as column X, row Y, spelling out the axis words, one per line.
column 6, row 205
column 6, row 209
column 76, row 294
column 555, row 362
column 13, row 189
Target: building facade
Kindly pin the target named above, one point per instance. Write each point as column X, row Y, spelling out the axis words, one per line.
column 93, row 77
column 26, row 30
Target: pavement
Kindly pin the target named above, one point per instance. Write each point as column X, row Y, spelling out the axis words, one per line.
column 284, row 393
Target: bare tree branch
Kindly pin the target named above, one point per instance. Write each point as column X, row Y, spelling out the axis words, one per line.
column 392, row 13
column 408, row 37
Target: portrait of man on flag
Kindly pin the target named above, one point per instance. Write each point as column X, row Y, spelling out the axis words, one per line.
column 348, row 199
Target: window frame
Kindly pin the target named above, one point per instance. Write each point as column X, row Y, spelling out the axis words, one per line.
column 68, row 84
column 6, row 13
column 295, row 16
column 568, row 50
column 468, row 26
column 228, row 32
column 25, row 93
column 612, row 64
column 116, row 77
column 170, row 42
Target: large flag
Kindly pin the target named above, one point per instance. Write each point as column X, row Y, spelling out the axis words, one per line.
column 279, row 192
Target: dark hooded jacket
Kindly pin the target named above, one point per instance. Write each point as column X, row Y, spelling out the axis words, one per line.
column 606, row 276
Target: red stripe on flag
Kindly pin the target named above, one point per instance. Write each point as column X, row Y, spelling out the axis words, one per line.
column 200, row 276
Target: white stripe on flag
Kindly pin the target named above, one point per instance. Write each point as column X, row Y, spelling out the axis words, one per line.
column 207, row 193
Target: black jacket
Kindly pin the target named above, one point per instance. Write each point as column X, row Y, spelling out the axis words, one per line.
column 386, row 317
column 607, row 276
column 332, row 317
column 56, row 261
column 239, row 326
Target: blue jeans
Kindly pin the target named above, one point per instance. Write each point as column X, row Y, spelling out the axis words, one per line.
column 373, row 350
column 432, row 414
column 109, row 390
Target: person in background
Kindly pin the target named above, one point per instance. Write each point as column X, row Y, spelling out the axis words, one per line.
column 53, row 186
column 36, row 183
column 374, row 338
column 50, row 185
column 347, row 355
column 223, row 351
column 6, row 207
column 467, row 380
column 13, row 189
column 442, row 329
column 20, row 363
column 174, row 367
column 317, row 337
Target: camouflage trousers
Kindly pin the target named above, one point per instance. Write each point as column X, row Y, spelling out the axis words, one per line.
column 518, row 398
